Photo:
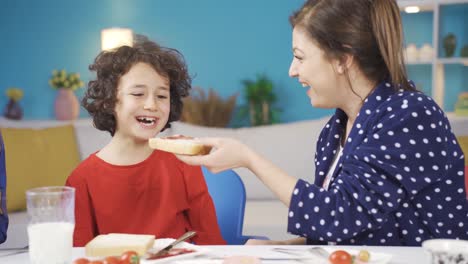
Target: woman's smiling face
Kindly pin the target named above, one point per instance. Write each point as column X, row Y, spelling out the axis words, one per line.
column 313, row 70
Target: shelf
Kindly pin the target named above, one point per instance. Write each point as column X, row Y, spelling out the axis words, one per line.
column 419, row 62
column 449, row 2
column 442, row 78
column 455, row 60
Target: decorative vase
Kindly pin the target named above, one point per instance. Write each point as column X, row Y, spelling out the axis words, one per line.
column 67, row 106
column 13, row 110
column 464, row 51
column 450, row 43
column 259, row 113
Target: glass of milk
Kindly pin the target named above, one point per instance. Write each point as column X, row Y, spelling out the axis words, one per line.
column 51, row 212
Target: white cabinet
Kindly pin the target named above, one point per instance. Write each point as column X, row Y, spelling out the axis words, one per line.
column 446, row 76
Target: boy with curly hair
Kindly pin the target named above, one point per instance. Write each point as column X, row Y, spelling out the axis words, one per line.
column 127, row 187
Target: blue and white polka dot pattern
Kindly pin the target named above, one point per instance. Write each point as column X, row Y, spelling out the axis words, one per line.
column 399, row 181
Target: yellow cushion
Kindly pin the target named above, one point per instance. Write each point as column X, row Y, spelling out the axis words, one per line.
column 463, row 141
column 35, row 158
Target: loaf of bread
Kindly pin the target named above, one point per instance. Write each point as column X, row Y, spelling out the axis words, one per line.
column 183, row 146
column 115, row 244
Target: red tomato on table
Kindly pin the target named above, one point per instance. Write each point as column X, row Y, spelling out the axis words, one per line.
column 129, row 257
column 81, row 261
column 111, row 260
column 96, row 262
column 340, row 257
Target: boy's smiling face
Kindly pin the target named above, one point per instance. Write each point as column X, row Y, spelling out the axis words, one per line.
column 143, row 103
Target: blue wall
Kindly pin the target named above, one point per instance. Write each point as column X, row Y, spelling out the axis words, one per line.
column 418, row 27
column 454, row 20
column 223, row 42
column 417, row 30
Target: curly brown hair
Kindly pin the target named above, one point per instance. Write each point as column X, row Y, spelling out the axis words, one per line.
column 101, row 96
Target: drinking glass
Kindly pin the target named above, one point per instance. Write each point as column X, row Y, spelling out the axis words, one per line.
column 51, row 212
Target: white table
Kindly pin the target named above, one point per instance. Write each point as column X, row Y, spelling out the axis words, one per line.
column 400, row 254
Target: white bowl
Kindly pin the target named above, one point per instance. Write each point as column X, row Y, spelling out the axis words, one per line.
column 411, row 53
column 447, row 251
column 426, row 53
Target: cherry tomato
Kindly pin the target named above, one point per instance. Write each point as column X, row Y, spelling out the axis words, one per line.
column 111, row 260
column 96, row 262
column 129, row 257
column 81, row 261
column 363, row 255
column 340, row 257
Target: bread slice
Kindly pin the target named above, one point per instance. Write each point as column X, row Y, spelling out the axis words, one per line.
column 183, row 146
column 115, row 244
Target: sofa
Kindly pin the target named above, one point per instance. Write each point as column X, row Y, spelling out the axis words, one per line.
column 62, row 144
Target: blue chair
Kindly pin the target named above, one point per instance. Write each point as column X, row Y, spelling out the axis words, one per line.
column 228, row 193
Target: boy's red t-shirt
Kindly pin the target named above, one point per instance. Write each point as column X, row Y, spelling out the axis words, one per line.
column 160, row 195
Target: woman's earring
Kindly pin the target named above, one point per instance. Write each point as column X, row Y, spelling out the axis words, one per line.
column 340, row 69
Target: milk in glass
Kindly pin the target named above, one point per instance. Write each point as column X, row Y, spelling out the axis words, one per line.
column 51, row 224
column 49, row 241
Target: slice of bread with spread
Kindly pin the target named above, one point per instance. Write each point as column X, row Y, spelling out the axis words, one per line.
column 182, row 146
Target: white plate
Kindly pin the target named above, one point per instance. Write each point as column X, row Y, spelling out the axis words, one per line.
column 303, row 254
column 163, row 242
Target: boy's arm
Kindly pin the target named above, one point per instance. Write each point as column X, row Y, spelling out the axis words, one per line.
column 85, row 226
column 201, row 213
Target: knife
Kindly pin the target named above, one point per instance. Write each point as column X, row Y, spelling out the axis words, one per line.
column 151, row 253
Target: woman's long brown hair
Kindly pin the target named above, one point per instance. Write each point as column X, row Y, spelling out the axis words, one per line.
column 369, row 30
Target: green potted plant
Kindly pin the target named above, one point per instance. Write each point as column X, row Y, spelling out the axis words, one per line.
column 13, row 109
column 67, row 106
column 260, row 97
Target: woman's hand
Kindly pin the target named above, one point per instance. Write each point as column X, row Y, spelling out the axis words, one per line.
column 227, row 153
